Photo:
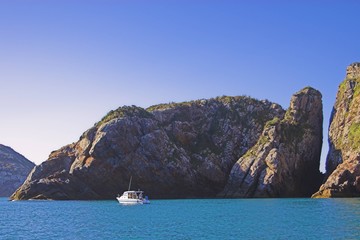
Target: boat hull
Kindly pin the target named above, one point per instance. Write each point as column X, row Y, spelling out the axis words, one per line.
column 132, row 201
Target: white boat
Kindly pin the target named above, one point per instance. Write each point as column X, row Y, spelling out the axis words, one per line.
column 133, row 197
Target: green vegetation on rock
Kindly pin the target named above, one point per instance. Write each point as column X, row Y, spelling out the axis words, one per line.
column 164, row 106
column 354, row 135
column 125, row 111
column 223, row 99
column 272, row 122
column 357, row 88
column 342, row 88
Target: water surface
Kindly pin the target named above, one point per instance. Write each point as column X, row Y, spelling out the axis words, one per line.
column 182, row 219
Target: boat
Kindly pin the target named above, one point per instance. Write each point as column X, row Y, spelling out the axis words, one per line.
column 132, row 197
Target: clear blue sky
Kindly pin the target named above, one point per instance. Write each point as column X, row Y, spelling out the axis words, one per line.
column 65, row 64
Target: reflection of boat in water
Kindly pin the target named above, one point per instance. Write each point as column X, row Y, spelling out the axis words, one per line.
column 133, row 197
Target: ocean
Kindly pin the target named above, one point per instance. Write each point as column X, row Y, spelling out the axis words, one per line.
column 182, row 219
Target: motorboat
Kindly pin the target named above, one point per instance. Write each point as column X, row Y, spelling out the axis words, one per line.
column 133, row 197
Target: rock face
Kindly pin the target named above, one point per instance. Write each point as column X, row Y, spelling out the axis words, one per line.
column 14, row 169
column 343, row 160
column 285, row 160
column 179, row 150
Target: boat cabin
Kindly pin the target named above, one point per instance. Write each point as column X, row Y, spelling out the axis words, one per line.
column 133, row 194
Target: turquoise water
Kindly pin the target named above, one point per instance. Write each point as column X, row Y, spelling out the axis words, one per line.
column 182, row 219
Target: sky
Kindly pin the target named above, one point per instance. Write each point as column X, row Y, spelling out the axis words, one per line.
column 65, row 64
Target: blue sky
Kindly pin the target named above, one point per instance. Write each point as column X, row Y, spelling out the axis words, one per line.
column 65, row 64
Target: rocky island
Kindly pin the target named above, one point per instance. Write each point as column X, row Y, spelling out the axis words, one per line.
column 14, row 168
column 343, row 160
column 285, row 160
column 189, row 150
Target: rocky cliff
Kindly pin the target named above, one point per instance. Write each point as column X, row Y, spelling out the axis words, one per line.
column 178, row 150
column 14, row 169
column 343, row 160
column 285, row 160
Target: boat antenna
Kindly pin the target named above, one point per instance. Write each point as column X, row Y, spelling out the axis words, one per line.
column 130, row 183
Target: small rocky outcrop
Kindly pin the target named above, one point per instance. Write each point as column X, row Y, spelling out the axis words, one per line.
column 14, row 168
column 285, row 160
column 181, row 150
column 343, row 160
